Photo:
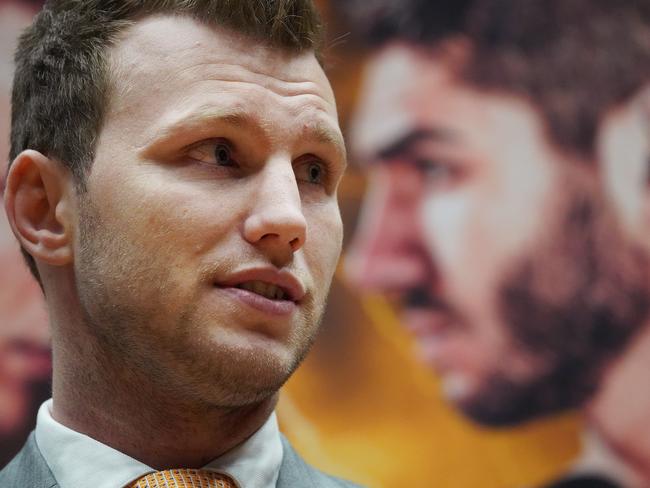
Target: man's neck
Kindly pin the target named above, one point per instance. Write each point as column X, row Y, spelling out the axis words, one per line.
column 156, row 431
column 149, row 420
column 619, row 412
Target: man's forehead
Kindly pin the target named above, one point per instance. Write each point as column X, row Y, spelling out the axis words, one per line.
column 166, row 66
column 169, row 45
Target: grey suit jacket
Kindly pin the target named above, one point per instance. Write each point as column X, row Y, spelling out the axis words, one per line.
column 29, row 470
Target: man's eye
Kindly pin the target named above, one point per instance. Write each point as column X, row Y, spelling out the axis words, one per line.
column 315, row 173
column 223, row 155
column 213, row 153
column 312, row 172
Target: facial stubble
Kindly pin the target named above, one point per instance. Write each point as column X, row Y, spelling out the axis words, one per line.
column 122, row 291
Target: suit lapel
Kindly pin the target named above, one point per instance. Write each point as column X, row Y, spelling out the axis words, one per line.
column 294, row 471
column 28, row 468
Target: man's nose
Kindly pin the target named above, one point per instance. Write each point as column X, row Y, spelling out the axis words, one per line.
column 387, row 252
column 276, row 221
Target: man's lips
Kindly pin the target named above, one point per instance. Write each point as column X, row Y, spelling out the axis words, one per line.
column 269, row 283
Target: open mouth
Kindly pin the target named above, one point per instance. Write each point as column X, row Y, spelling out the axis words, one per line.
column 267, row 290
column 275, row 291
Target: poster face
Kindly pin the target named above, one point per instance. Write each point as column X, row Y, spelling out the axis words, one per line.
column 489, row 320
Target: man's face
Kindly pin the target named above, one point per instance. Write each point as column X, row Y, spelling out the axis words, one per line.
column 509, row 264
column 210, row 228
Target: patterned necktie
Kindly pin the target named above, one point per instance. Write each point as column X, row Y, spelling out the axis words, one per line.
column 184, row 478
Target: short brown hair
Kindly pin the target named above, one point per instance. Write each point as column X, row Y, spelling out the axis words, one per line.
column 61, row 80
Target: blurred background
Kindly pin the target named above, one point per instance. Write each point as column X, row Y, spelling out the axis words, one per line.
column 361, row 406
column 25, row 364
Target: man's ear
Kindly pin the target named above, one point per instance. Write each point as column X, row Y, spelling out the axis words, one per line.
column 39, row 204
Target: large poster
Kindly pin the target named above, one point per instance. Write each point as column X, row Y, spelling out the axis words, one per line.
column 489, row 318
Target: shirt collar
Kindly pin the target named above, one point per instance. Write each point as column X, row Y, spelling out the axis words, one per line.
column 75, row 458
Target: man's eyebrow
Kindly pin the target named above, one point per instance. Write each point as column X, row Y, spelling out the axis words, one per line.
column 405, row 143
column 201, row 118
column 324, row 134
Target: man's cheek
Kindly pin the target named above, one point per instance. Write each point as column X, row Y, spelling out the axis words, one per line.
column 324, row 238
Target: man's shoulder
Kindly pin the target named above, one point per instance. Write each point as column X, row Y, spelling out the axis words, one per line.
column 295, row 472
column 28, row 468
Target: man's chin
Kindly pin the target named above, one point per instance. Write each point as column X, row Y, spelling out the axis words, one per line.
column 257, row 368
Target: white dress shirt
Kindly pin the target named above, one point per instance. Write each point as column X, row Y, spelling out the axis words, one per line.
column 75, row 458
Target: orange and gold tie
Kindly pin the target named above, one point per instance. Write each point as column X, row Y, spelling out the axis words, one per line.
column 184, row 478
